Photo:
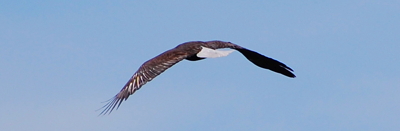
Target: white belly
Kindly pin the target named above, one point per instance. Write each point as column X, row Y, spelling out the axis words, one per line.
column 211, row 53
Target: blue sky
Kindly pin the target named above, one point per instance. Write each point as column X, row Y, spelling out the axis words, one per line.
column 60, row 59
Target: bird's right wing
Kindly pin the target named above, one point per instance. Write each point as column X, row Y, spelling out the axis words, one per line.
column 148, row 71
column 266, row 62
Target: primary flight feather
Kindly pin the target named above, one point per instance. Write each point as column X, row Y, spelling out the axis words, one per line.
column 193, row 51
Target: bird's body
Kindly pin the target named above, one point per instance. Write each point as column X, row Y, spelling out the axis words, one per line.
column 192, row 51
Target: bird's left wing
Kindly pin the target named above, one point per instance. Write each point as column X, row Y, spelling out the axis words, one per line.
column 149, row 70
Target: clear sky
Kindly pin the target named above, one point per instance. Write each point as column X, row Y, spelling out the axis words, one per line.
column 59, row 60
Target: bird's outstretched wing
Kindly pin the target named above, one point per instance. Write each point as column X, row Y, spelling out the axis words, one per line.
column 266, row 62
column 149, row 70
column 256, row 58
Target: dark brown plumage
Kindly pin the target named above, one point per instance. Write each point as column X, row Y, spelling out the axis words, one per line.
column 189, row 50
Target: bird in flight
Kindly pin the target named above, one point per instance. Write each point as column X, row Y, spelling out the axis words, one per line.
column 192, row 51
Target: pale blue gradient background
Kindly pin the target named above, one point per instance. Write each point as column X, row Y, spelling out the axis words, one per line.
column 60, row 59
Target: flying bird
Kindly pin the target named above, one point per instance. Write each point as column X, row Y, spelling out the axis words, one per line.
column 192, row 51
